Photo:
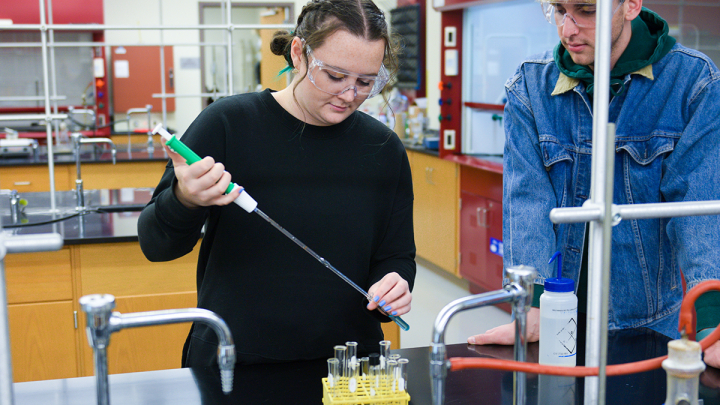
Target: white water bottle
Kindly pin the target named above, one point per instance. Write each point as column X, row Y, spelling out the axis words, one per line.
column 558, row 320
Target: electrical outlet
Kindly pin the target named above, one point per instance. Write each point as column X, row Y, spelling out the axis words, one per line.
column 449, row 139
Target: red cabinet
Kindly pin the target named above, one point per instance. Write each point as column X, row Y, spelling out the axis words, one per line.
column 481, row 260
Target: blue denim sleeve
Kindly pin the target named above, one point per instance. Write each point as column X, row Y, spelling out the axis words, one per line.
column 692, row 173
column 528, row 196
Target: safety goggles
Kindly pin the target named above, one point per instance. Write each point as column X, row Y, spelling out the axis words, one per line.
column 336, row 81
column 583, row 14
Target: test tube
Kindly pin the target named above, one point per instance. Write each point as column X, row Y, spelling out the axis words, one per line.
column 350, row 357
column 374, row 373
column 402, row 374
column 333, row 366
column 364, row 366
column 384, row 354
column 391, row 374
column 352, row 377
column 340, row 355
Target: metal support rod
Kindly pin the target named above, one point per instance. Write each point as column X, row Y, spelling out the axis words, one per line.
column 32, row 117
column 228, row 9
column 589, row 213
column 598, row 262
column 53, row 76
column 162, row 80
column 96, row 27
column 48, row 121
column 96, row 44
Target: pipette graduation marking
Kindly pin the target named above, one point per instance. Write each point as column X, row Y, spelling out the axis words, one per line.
column 250, row 205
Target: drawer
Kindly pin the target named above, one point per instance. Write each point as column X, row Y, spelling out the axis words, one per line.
column 33, row 178
column 121, row 269
column 122, row 175
column 38, row 277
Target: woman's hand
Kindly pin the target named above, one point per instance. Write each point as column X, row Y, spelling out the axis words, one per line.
column 201, row 184
column 392, row 293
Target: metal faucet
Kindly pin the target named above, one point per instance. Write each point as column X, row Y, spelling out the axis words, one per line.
column 16, row 244
column 147, row 109
column 14, row 206
column 78, row 141
column 102, row 322
column 518, row 291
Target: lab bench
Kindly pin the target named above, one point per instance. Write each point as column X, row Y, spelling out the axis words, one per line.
column 300, row 382
column 101, row 254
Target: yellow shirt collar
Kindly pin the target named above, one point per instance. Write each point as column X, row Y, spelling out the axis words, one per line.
column 566, row 83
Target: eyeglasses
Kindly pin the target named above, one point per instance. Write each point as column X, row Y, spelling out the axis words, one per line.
column 336, row 81
column 584, row 13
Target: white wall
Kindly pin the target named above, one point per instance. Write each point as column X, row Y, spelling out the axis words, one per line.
column 188, row 81
column 432, row 59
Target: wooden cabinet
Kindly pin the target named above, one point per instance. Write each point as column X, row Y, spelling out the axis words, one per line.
column 435, row 213
column 47, row 326
column 127, row 174
column 43, row 341
column 43, row 337
column 27, row 179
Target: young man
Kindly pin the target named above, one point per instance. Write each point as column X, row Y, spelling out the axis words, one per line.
column 665, row 102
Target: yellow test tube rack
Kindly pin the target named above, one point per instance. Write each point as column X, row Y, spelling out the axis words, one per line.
column 384, row 395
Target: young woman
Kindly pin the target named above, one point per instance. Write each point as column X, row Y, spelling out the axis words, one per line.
column 336, row 178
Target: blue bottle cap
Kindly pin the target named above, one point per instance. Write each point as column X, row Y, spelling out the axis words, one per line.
column 559, row 284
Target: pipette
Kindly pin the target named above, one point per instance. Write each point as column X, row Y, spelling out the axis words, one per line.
column 250, row 205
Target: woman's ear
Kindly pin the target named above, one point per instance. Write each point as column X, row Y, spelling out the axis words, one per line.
column 296, row 52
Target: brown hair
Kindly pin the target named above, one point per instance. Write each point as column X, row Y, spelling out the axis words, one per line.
column 321, row 18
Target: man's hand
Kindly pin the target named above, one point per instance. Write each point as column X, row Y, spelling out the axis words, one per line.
column 712, row 355
column 505, row 334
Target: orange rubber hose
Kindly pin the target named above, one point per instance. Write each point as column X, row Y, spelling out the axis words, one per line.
column 686, row 318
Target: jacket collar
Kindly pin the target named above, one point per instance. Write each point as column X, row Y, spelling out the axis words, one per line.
column 566, row 83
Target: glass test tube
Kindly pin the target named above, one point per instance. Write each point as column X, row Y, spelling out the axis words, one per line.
column 364, row 366
column 390, row 377
column 333, row 370
column 384, row 354
column 353, row 377
column 340, row 355
column 350, row 357
column 402, row 374
column 374, row 373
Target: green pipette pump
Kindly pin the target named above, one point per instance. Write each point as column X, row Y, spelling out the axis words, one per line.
column 250, row 205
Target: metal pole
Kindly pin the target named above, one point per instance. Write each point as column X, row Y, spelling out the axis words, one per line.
column 598, row 260
column 162, row 78
column 636, row 211
column 6, row 377
column 53, row 77
column 228, row 10
column 48, row 122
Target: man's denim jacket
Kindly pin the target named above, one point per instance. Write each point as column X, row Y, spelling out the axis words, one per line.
column 667, row 149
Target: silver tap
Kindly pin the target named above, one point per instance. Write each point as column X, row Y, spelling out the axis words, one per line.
column 147, row 110
column 14, row 206
column 102, row 322
column 518, row 291
column 86, row 111
column 78, row 141
column 16, row 244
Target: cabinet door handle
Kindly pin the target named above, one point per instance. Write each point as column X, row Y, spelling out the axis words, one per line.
column 22, row 183
column 428, row 175
column 482, row 218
